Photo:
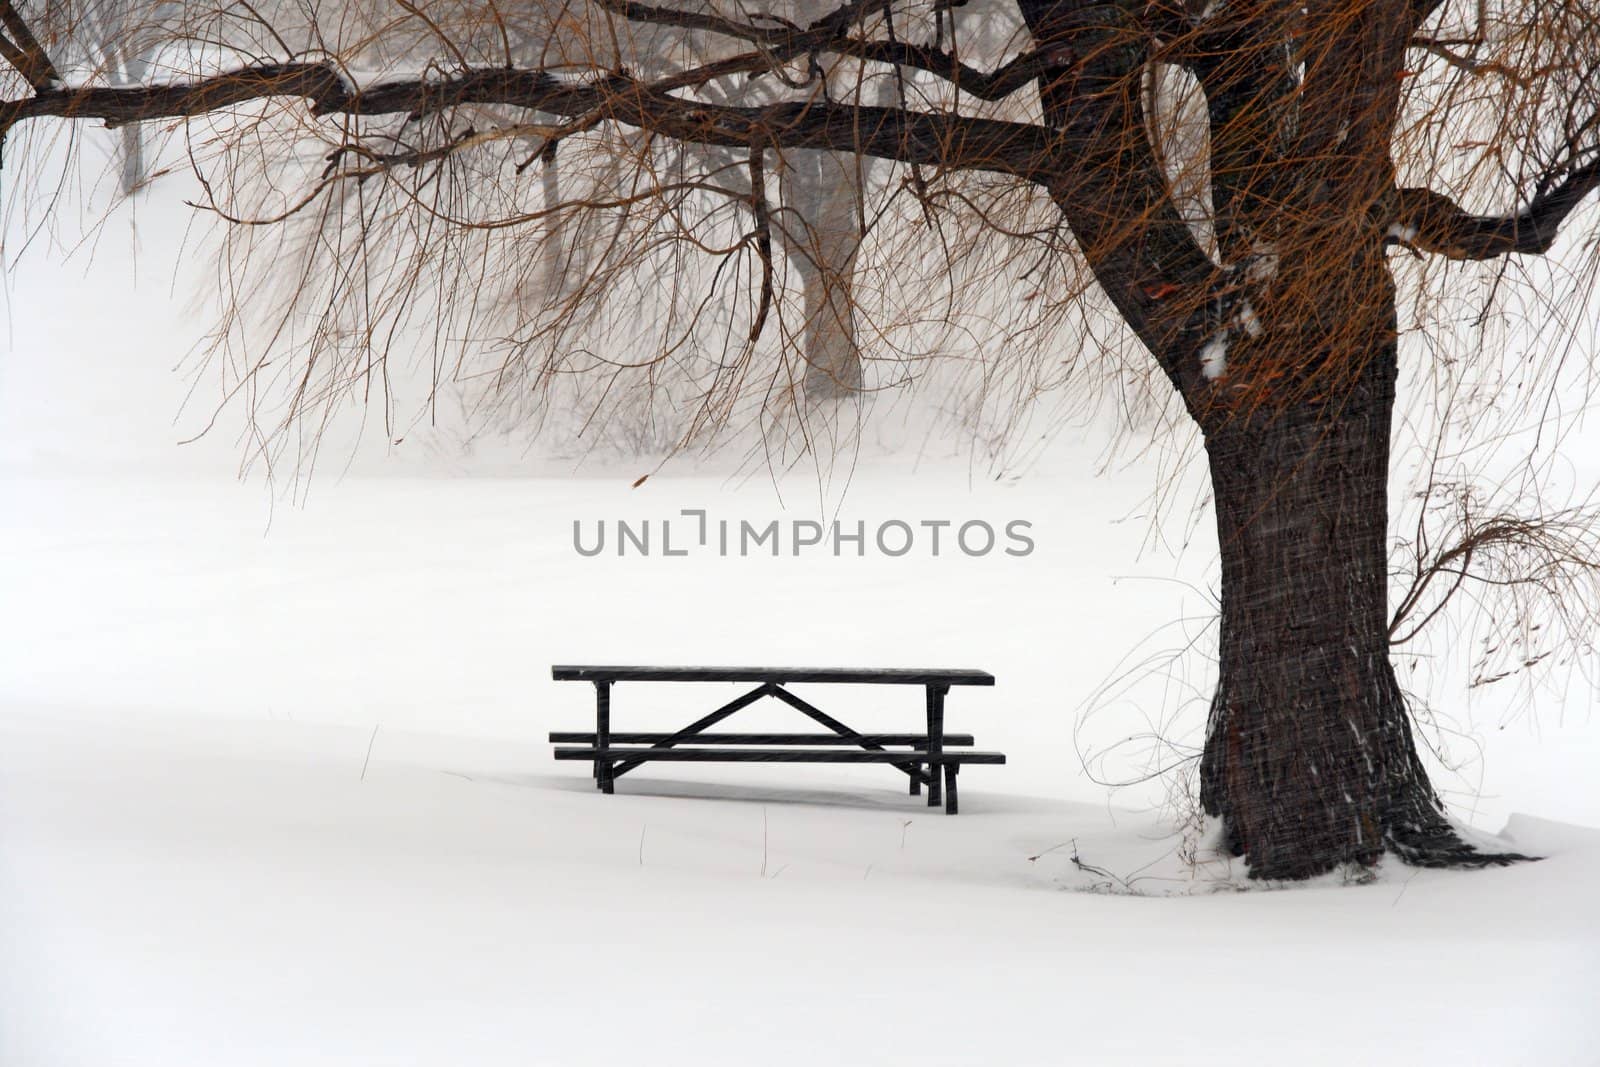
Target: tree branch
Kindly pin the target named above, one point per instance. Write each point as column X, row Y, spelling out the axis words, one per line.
column 1243, row 65
column 1432, row 222
column 996, row 85
column 1522, row 79
column 951, row 142
column 15, row 56
column 650, row 14
column 763, row 235
column 1422, row 10
column 1113, row 193
column 830, row 33
column 26, row 54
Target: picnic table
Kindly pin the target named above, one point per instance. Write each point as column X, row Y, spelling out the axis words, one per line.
column 924, row 757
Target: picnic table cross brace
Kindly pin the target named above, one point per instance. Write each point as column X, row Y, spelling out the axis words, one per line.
column 607, row 771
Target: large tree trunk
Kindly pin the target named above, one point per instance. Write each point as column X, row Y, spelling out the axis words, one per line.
column 1290, row 371
column 1309, row 756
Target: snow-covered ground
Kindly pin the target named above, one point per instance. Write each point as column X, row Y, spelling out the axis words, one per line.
column 274, row 786
column 181, row 890
column 202, row 864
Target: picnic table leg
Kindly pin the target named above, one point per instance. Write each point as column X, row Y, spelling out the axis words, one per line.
column 916, row 779
column 602, row 736
column 935, row 741
column 950, row 772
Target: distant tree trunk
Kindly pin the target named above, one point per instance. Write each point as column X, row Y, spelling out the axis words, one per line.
column 825, row 191
column 131, row 173
column 833, row 362
column 1309, row 755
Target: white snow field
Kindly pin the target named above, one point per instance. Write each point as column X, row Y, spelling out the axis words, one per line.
column 202, row 865
column 274, row 787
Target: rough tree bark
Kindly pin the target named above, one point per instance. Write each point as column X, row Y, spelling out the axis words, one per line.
column 1309, row 756
column 1309, row 759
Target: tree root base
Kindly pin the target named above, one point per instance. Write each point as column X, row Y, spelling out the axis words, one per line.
column 1424, row 847
column 1438, row 847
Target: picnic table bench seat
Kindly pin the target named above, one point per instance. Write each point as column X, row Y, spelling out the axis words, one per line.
column 629, row 738
column 923, row 757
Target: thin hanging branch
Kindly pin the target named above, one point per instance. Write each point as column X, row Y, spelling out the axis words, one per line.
column 763, row 235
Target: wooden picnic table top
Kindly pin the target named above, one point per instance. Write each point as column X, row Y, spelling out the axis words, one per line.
column 775, row 675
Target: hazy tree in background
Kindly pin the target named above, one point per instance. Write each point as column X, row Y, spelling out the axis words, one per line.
column 819, row 209
column 1243, row 184
column 119, row 40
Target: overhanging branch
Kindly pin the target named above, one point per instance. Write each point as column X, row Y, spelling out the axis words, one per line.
column 951, row 142
column 1432, row 222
